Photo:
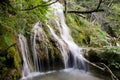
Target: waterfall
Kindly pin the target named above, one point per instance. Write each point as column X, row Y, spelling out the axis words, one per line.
column 75, row 50
column 36, row 29
column 31, row 53
column 38, row 35
column 62, row 47
column 31, row 61
column 25, row 54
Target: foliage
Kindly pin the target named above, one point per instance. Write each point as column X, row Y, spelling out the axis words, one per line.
column 22, row 21
column 114, row 19
column 84, row 33
column 16, row 17
column 8, row 59
column 114, row 49
column 110, row 55
column 108, row 20
column 2, row 59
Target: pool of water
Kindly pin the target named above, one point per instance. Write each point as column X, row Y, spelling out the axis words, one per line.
column 67, row 74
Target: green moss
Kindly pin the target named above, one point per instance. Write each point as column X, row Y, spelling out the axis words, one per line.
column 108, row 55
column 5, row 37
column 10, row 59
column 114, row 21
column 53, row 50
column 85, row 34
column 20, row 22
column 3, row 72
column 13, row 54
column 93, row 56
column 10, row 62
column 2, row 59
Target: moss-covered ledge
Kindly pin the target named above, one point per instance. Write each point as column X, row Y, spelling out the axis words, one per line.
column 109, row 55
column 9, row 56
column 10, row 65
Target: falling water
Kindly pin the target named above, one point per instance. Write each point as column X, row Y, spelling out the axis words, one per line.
column 34, row 63
column 25, row 55
column 36, row 28
column 31, row 65
column 38, row 35
column 62, row 46
column 75, row 50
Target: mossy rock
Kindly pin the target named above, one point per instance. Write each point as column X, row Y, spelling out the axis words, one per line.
column 107, row 55
column 93, row 55
column 85, row 34
column 12, row 74
column 9, row 59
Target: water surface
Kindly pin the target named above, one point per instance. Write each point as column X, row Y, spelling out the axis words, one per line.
column 67, row 74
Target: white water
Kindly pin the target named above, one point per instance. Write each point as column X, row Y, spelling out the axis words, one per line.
column 28, row 64
column 62, row 47
column 35, row 30
column 63, row 39
column 25, row 54
column 75, row 50
column 68, row 74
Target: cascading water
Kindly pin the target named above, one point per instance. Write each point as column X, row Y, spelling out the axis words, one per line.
column 62, row 46
column 75, row 50
column 38, row 35
column 25, row 54
column 31, row 65
column 32, row 62
column 36, row 29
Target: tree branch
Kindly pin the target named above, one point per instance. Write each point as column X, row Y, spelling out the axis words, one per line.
column 93, row 64
column 86, row 12
column 39, row 6
column 102, row 69
column 109, row 70
column 90, row 11
column 100, row 1
column 65, row 3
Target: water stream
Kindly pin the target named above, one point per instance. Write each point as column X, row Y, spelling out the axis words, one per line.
column 25, row 54
column 36, row 29
column 75, row 50
column 75, row 70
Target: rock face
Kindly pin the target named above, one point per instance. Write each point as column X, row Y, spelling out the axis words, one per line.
column 108, row 55
column 10, row 59
column 46, row 48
